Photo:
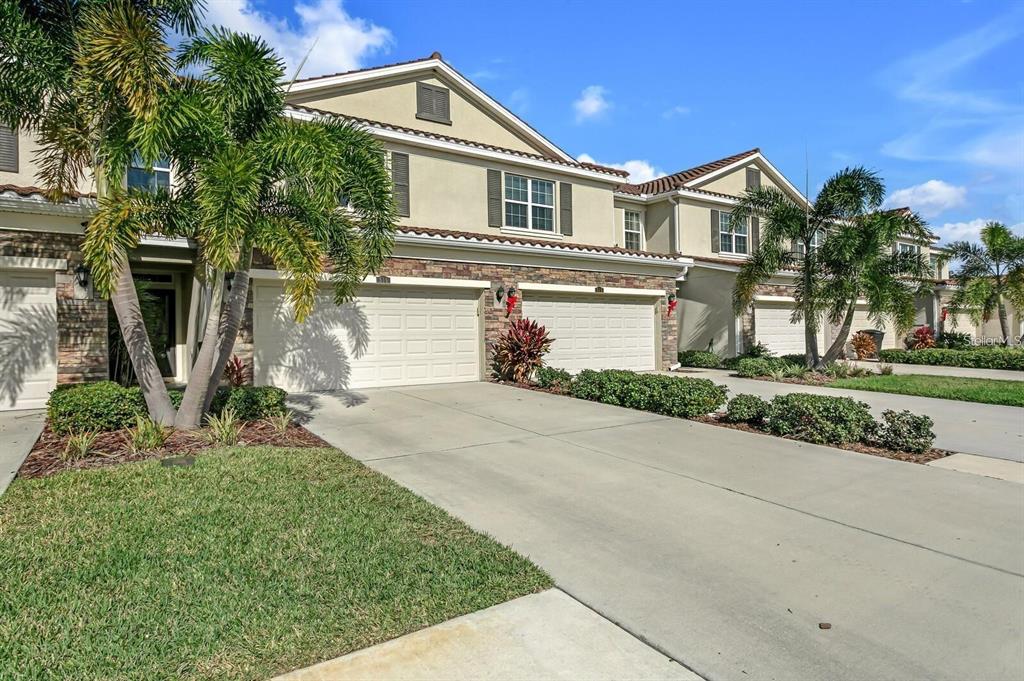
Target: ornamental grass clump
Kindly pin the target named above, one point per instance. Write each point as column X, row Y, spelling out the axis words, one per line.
column 520, row 351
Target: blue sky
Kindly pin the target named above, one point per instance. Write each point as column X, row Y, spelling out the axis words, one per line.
column 929, row 94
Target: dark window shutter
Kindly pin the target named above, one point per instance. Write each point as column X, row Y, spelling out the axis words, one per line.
column 433, row 103
column 716, row 242
column 565, row 208
column 8, row 150
column 400, row 180
column 494, row 198
column 755, row 233
column 753, row 178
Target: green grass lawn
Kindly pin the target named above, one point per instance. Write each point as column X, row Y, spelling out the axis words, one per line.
column 255, row 561
column 983, row 390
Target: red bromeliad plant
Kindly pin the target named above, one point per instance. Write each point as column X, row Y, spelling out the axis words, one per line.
column 924, row 338
column 236, row 372
column 520, row 351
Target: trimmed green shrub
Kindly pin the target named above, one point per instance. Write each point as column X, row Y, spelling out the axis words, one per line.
column 699, row 358
column 904, row 431
column 975, row 358
column 953, row 340
column 551, row 378
column 746, row 408
column 668, row 395
column 94, row 407
column 821, row 419
column 753, row 367
column 252, row 403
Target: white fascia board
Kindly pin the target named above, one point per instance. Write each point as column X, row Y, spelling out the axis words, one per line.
column 606, row 290
column 43, row 207
column 772, row 170
column 774, row 299
column 433, row 282
column 435, row 64
column 415, row 140
column 717, row 266
column 686, row 193
column 674, row 263
column 555, row 288
column 159, row 240
column 15, row 262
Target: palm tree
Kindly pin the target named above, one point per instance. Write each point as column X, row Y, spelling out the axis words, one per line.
column 990, row 275
column 246, row 177
column 861, row 261
column 87, row 79
column 830, row 277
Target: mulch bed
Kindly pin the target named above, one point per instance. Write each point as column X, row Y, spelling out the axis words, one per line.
column 112, row 448
column 910, row 457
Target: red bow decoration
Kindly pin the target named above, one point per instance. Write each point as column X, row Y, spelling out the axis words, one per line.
column 945, row 313
column 510, row 303
column 672, row 303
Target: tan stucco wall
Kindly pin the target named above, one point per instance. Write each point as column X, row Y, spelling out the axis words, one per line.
column 394, row 102
column 695, row 229
column 448, row 191
column 620, row 208
column 705, row 312
column 734, row 182
column 27, row 167
column 658, row 227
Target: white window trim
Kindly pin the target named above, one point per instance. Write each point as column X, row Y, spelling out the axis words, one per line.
column 529, row 229
column 532, row 233
column 169, row 169
column 732, row 234
column 640, row 220
column 814, row 246
column 913, row 248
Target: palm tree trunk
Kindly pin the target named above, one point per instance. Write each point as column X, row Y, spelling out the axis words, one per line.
column 811, row 359
column 190, row 413
column 839, row 344
column 136, row 339
column 1004, row 325
column 230, row 323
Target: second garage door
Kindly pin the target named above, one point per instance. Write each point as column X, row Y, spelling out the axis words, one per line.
column 772, row 327
column 388, row 336
column 595, row 332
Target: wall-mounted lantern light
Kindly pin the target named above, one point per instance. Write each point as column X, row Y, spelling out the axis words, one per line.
column 82, row 276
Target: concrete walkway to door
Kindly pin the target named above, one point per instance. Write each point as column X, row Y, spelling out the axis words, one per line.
column 723, row 549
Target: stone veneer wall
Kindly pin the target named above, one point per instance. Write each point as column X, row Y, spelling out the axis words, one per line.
column 495, row 321
column 81, row 323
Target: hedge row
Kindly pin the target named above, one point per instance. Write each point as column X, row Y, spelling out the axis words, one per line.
column 106, row 405
column 974, row 358
column 668, row 395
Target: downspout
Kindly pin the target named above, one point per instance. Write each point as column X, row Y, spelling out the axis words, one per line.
column 673, row 247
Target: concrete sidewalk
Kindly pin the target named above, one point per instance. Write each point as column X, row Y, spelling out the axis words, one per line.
column 969, row 427
column 963, row 372
column 542, row 636
column 19, row 430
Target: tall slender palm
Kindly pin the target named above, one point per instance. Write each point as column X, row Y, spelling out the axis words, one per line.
column 990, row 275
column 248, row 178
column 862, row 262
column 789, row 232
column 87, row 78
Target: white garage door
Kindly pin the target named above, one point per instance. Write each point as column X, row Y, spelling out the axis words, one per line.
column 861, row 322
column 388, row 336
column 28, row 339
column 772, row 326
column 595, row 332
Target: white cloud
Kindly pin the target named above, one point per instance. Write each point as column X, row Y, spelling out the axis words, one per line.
column 928, row 198
column 678, row 110
column 592, row 103
column 969, row 230
column 519, row 100
column 639, row 170
column 339, row 41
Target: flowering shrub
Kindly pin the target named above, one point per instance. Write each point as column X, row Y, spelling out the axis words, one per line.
column 864, row 345
column 520, row 350
column 236, row 372
column 923, row 338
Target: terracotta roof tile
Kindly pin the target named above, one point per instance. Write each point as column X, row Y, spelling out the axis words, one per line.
column 499, row 238
column 30, row 191
column 458, row 140
column 678, row 180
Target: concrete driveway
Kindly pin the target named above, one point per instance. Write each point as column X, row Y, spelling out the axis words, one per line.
column 19, row 430
column 725, row 550
column 986, row 429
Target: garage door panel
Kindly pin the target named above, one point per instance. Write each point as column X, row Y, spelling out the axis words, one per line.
column 384, row 337
column 28, row 339
column 592, row 332
column 773, row 328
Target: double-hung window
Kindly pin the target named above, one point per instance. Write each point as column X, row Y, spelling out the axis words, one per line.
column 149, row 179
column 634, row 230
column 732, row 234
column 816, row 241
column 912, row 249
column 529, row 203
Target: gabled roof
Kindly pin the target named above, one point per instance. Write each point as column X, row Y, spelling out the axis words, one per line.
column 436, row 64
column 684, row 177
column 456, row 140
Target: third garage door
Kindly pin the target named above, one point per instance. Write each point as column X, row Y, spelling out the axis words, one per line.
column 595, row 331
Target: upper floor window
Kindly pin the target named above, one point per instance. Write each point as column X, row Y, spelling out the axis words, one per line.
column 149, row 179
column 529, row 203
column 913, row 249
column 816, row 241
column 933, row 260
column 433, row 103
column 732, row 234
column 8, row 149
column 634, row 237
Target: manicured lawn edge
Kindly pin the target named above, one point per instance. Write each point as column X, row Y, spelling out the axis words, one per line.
column 1007, row 359
column 979, row 390
column 252, row 562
